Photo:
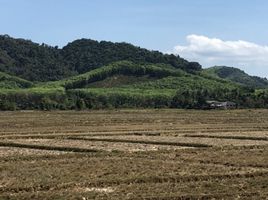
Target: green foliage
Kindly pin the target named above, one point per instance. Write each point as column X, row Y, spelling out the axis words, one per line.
column 80, row 104
column 35, row 62
column 33, row 98
column 120, row 80
column 32, row 61
column 47, row 104
column 87, row 54
column 9, row 82
column 236, row 75
column 7, row 105
column 186, row 82
column 118, row 75
column 123, row 98
column 167, row 88
column 121, row 67
column 260, row 98
column 190, row 99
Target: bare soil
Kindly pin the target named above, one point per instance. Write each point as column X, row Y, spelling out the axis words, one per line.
column 134, row 154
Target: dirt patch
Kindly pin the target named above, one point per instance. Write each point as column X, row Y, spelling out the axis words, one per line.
column 127, row 161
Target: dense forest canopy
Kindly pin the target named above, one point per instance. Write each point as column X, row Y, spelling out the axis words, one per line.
column 87, row 74
column 36, row 62
column 237, row 75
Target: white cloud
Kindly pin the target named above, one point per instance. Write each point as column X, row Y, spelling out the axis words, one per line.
column 248, row 56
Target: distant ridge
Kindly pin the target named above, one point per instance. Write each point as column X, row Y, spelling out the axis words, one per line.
column 88, row 74
column 35, row 62
column 237, row 75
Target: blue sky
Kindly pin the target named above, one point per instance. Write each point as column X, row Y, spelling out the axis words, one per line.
column 195, row 29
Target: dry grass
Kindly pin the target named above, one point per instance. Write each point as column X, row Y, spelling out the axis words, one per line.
column 134, row 154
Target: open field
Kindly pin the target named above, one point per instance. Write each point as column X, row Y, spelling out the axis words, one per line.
column 134, row 154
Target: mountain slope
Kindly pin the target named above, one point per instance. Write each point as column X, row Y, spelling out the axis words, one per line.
column 146, row 76
column 89, row 54
column 153, row 85
column 31, row 61
column 36, row 62
column 120, row 68
column 90, row 74
column 13, row 82
column 237, row 75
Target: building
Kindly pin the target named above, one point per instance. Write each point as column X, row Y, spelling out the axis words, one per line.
column 221, row 105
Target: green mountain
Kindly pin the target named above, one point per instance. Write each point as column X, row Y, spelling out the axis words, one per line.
column 237, row 75
column 87, row 74
column 129, row 85
column 129, row 75
column 35, row 62
column 13, row 82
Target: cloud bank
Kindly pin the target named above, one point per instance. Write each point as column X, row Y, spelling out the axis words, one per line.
column 248, row 56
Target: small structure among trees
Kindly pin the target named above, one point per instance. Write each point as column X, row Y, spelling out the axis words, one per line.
column 221, row 105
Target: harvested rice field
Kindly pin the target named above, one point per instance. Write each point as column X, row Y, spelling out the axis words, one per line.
column 134, row 154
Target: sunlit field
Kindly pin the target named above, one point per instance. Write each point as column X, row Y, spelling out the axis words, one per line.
column 134, row 154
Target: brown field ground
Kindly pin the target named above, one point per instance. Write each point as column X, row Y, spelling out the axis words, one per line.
column 134, row 154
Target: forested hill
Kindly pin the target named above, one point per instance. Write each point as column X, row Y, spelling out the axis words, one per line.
column 237, row 75
column 35, row 62
column 87, row 74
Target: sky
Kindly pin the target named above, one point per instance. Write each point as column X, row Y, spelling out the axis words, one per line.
column 212, row 32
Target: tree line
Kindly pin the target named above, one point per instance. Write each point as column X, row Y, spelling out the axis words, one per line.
column 93, row 99
column 40, row 62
